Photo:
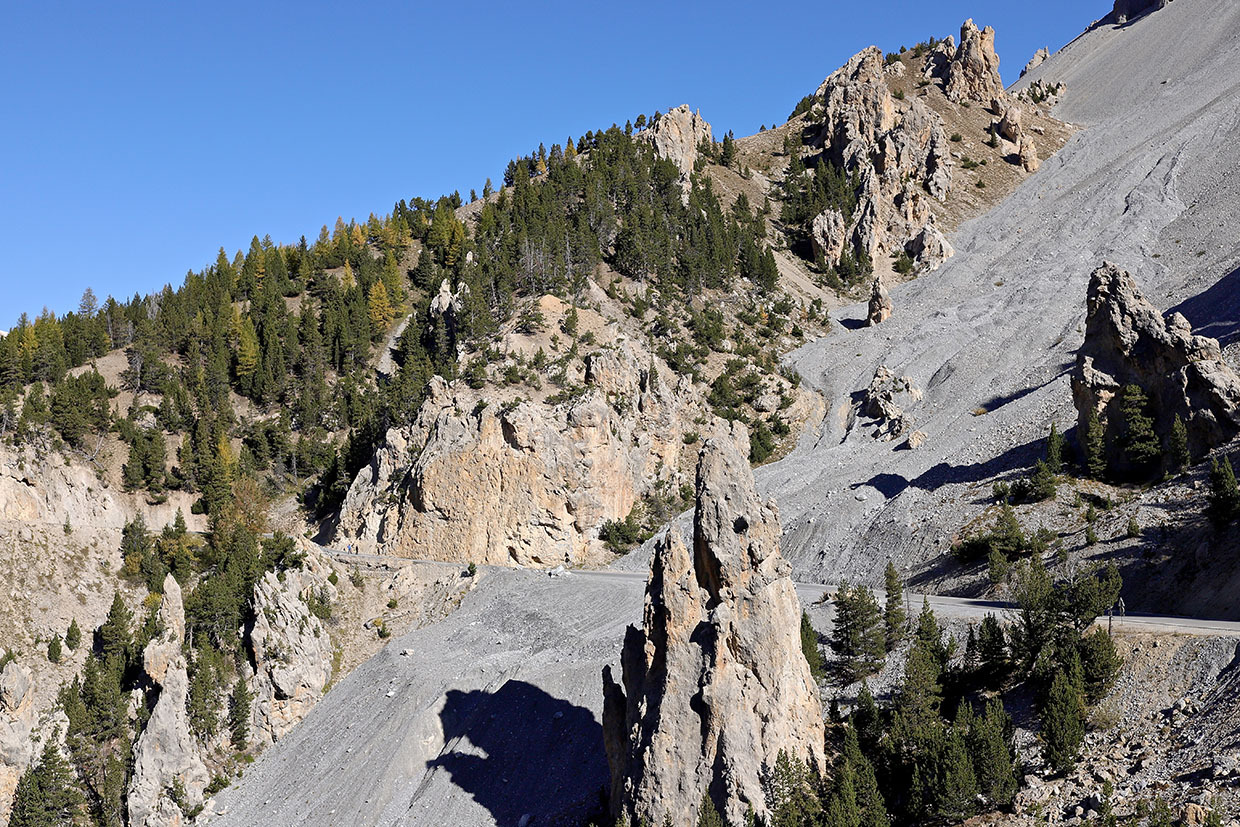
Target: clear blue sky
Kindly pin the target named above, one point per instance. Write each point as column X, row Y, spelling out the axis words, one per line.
column 141, row 137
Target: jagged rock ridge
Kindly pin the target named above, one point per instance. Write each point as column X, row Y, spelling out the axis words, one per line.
column 898, row 153
column 715, row 684
column 1127, row 341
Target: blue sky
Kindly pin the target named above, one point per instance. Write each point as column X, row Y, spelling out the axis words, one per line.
column 141, row 137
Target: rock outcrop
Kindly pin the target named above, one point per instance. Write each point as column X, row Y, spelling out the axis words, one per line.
column 1128, row 342
column 880, row 304
column 973, row 73
column 881, row 402
column 1009, row 124
column 929, row 248
column 676, row 136
column 1039, row 57
column 17, row 721
column 899, row 153
column 523, row 483
column 292, row 652
column 166, row 752
column 1125, row 10
column 1028, row 153
column 715, row 684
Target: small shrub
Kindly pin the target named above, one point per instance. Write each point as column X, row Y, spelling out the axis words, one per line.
column 472, row 570
column 898, row 94
column 903, row 264
column 393, row 603
column 355, row 577
column 333, row 578
column 1134, row 528
column 956, row 137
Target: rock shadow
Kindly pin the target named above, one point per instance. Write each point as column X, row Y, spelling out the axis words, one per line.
column 1215, row 312
column 852, row 324
column 519, row 751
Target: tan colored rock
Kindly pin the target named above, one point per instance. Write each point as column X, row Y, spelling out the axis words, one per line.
column 1127, row 341
column 1029, row 155
column 1009, row 125
column 880, row 304
column 714, row 684
column 973, row 73
column 676, row 136
column 292, row 652
column 898, row 152
column 1194, row 815
column 166, row 752
column 917, row 439
column 1039, row 57
column 528, row 483
column 881, row 402
column 929, row 248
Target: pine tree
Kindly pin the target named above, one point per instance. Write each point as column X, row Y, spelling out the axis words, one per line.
column 992, row 648
column 1224, row 493
column 379, row 308
column 1180, row 456
column 73, row 636
column 1140, row 442
column 116, row 637
column 994, row 756
column 708, row 814
column 894, row 616
column 858, row 635
column 1063, row 724
column 46, row 795
column 956, row 788
column 54, row 649
column 1054, row 451
column 1093, row 445
column 239, row 709
column 809, row 646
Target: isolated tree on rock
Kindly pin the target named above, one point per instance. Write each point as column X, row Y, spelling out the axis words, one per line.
column 858, row 635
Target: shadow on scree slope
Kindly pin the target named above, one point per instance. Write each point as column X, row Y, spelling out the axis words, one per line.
column 537, row 755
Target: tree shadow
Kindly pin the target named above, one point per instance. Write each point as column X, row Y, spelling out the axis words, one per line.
column 1215, row 312
column 532, row 754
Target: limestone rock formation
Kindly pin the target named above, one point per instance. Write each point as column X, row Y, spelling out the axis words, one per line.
column 881, row 402
column 676, row 135
column 898, row 152
column 525, row 483
column 1029, row 154
column 1127, row 342
column 17, row 722
column 1009, row 125
column 1039, row 57
column 880, row 304
column 292, row 652
column 1125, row 10
column 166, row 752
column 929, row 248
column 973, row 73
column 714, row 684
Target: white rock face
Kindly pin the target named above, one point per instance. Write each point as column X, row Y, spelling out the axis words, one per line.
column 291, row 649
column 526, row 484
column 17, row 720
column 676, row 135
column 166, row 752
column 900, row 153
column 715, row 683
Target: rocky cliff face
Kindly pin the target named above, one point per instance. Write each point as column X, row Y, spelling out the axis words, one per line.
column 1127, row 341
column 17, row 721
column 714, row 684
column 898, row 152
column 292, row 651
column 676, row 136
column 166, row 752
column 526, row 483
column 972, row 74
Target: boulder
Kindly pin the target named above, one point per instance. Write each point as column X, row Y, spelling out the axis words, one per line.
column 1039, row 57
column 1009, row 125
column 929, row 248
column 714, row 685
column 1028, row 152
column 973, row 73
column 880, row 304
column 880, row 402
column 166, row 752
column 1128, row 342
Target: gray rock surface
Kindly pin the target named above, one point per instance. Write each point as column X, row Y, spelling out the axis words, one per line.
column 1127, row 341
column 1127, row 9
column 714, row 683
column 166, row 752
column 676, row 135
column 17, row 722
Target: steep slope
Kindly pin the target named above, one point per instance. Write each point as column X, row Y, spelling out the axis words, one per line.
column 994, row 330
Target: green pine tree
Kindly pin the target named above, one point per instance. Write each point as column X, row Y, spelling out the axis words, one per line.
column 1224, row 493
column 1093, row 445
column 708, row 814
column 809, row 647
column 54, row 649
column 1054, row 451
column 1063, row 724
column 1180, row 456
column 73, row 637
column 239, row 708
column 858, row 635
column 894, row 616
column 1139, row 441
column 46, row 794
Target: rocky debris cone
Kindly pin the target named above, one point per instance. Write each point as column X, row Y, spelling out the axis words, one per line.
column 879, row 403
column 1125, row 10
column 166, row 753
column 898, row 153
column 1039, row 57
column 880, row 304
column 676, row 136
column 1127, row 342
column 715, row 684
column 973, row 73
